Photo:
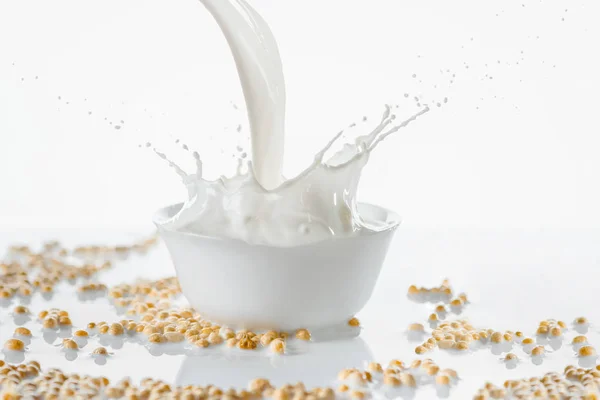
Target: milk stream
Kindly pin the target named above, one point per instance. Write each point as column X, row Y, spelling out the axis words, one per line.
column 259, row 206
column 260, row 70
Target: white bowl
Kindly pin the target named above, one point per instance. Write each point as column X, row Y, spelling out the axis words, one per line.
column 316, row 286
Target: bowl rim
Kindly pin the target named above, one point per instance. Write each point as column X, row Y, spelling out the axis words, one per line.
column 392, row 220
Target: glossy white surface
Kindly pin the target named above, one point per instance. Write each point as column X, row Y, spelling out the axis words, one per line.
column 514, row 280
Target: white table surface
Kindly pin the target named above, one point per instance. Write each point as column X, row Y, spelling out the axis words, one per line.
column 513, row 279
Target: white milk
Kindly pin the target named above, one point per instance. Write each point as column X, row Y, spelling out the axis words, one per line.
column 261, row 74
column 259, row 206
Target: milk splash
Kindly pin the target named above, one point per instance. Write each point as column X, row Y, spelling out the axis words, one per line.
column 259, row 206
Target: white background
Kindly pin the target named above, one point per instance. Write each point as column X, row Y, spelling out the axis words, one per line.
column 519, row 150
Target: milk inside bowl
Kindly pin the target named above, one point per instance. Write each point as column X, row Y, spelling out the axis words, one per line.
column 269, row 236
